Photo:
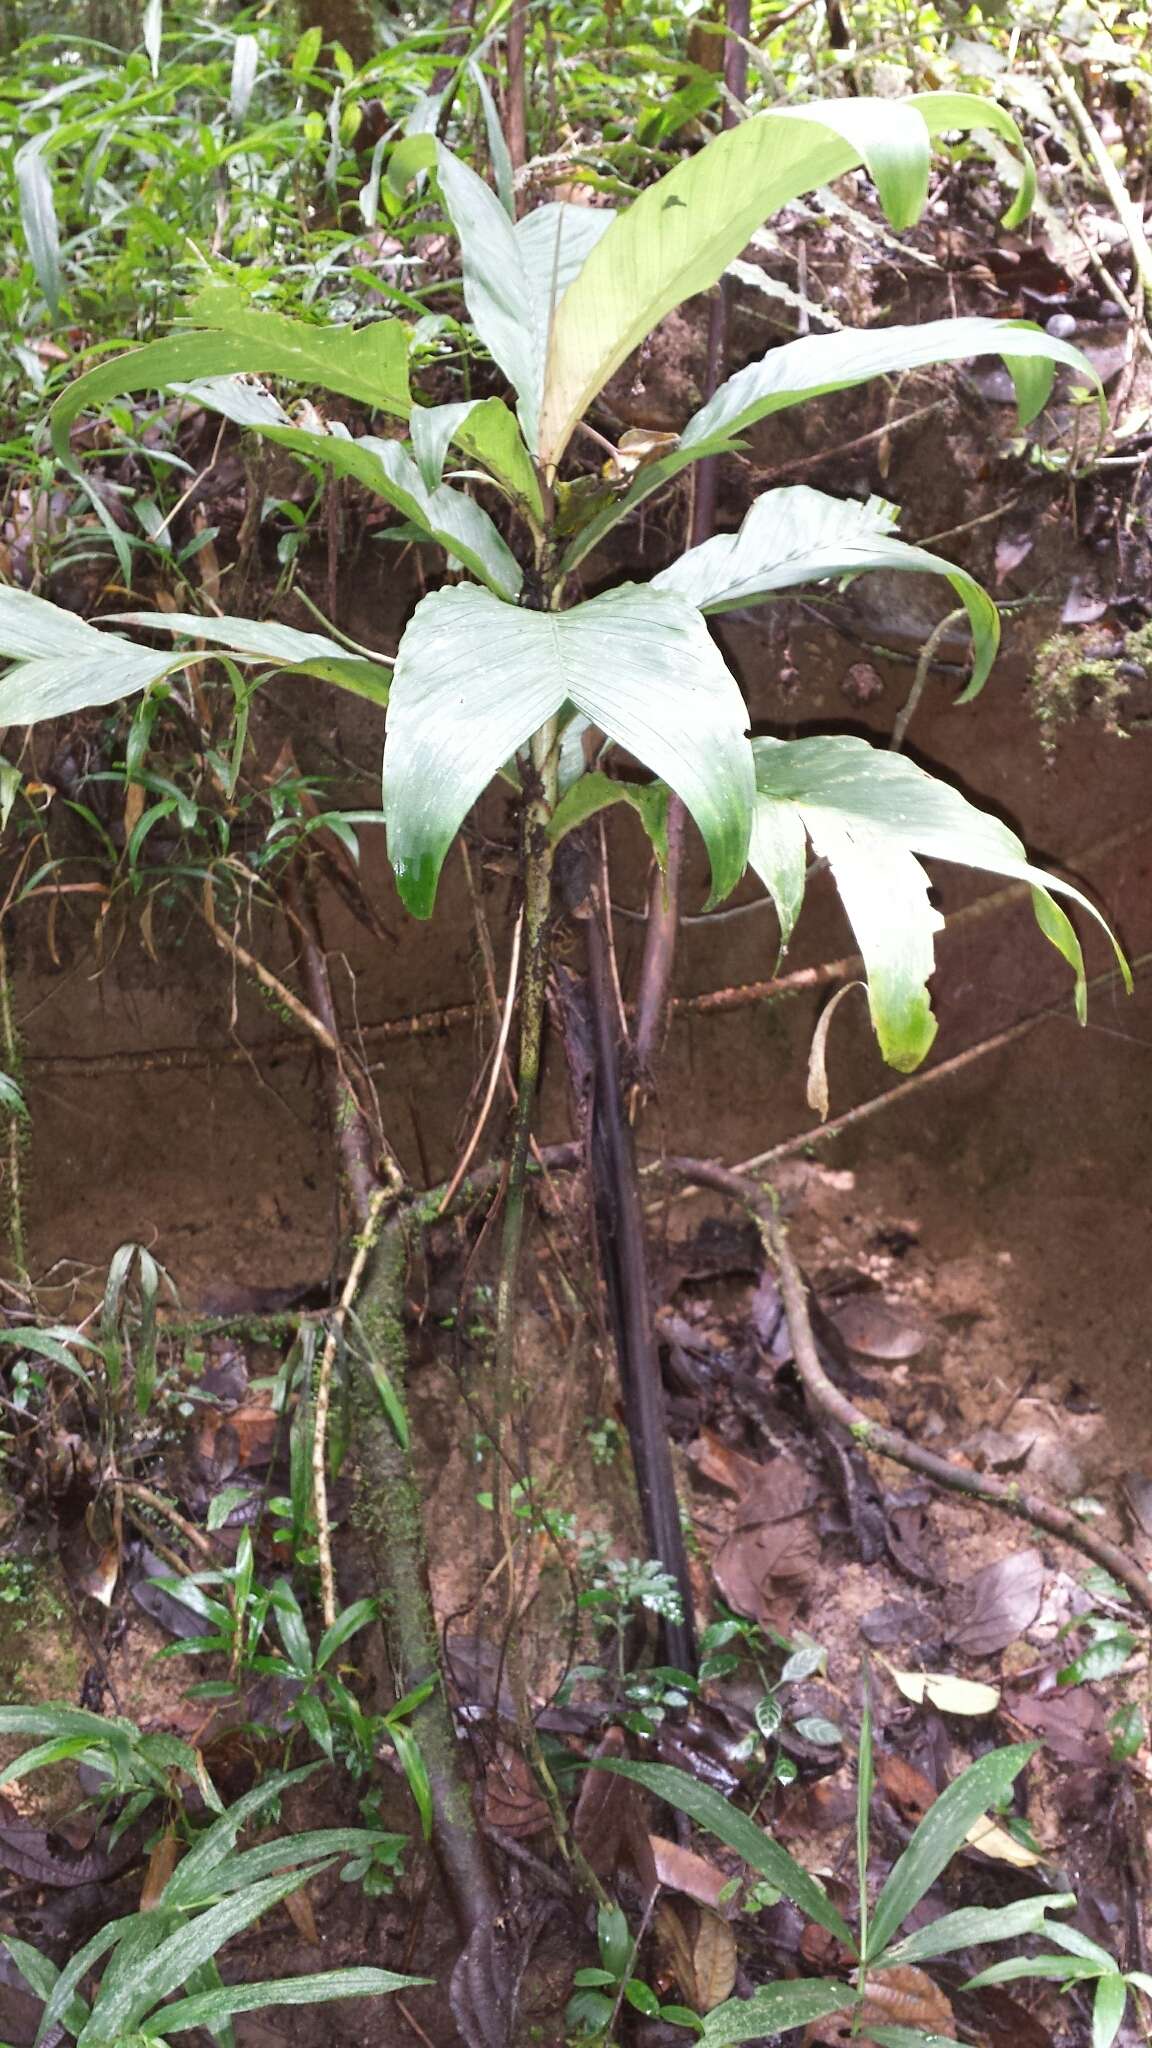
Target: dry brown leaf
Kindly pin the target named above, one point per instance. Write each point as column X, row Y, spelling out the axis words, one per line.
column 991, row 1839
column 713, row 1960
column 909, row 1790
column 877, row 1328
column 763, row 1571
column 681, row 1870
column 950, row 1694
column 302, row 1917
column 511, row 1800
column 900, row 1997
column 717, row 1461
column 995, row 1606
column 161, row 1864
column 604, row 1808
column 1072, row 1724
column 699, row 1949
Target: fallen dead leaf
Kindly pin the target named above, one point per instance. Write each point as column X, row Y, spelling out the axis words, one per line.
column 911, row 1792
column 949, row 1694
column 900, row 1997
column 161, row 1864
column 511, row 1800
column 877, row 1329
column 996, row 1606
column 1072, row 1724
column 700, row 1950
column 681, row 1870
column 991, row 1839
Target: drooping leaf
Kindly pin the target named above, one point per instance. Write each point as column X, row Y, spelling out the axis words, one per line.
column 774, row 2010
column 369, row 364
column 210, row 2008
column 293, row 652
column 680, row 235
column 797, row 535
column 941, row 1832
column 973, row 1926
column 1058, row 1969
column 595, row 791
column 488, row 433
column 869, row 812
column 447, row 516
column 475, row 678
column 709, row 1809
column 819, row 363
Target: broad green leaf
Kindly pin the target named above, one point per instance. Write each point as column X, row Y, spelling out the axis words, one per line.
column 496, row 285
column 369, row 364
column 475, row 678
column 55, row 1721
column 820, row 363
column 1108, row 2010
column 38, row 217
column 211, row 2007
column 447, row 516
column 554, row 242
column 491, row 434
column 776, row 2009
column 679, row 236
column 433, row 428
column 709, row 1809
column 1057, row 1969
column 797, row 535
column 293, row 652
column 868, row 812
column 966, row 113
column 974, row 1925
column 122, row 2004
column 514, row 274
column 61, row 663
column 488, row 433
column 243, row 400
column 941, row 1832
column 595, row 791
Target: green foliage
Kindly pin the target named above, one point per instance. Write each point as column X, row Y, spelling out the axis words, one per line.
column 215, row 1893
column 943, row 1830
column 599, row 1993
column 558, row 299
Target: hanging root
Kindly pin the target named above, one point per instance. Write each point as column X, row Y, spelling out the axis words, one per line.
column 832, row 1405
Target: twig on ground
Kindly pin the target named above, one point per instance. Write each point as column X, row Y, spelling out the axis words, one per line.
column 827, row 1400
column 1127, row 212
